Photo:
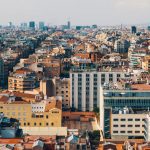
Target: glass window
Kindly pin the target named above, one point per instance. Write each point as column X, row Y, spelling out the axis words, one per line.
column 123, row 119
column 137, row 125
column 130, row 119
column 122, row 125
column 137, row 119
column 122, row 131
column 115, row 119
column 130, row 125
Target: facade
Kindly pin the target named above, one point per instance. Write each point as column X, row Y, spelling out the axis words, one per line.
column 21, row 82
column 133, row 29
column 146, row 63
column 147, row 128
column 63, row 90
column 57, row 87
column 121, row 46
column 69, row 24
column 32, row 25
column 46, row 113
column 41, row 25
column 85, row 87
column 125, row 126
column 136, row 100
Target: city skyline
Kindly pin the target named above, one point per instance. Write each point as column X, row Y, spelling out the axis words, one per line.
column 85, row 12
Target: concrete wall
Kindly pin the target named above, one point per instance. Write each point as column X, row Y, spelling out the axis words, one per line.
column 61, row 131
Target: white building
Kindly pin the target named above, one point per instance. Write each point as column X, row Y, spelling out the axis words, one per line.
column 85, row 87
column 147, row 128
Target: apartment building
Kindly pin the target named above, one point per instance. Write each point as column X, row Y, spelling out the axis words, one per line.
column 63, row 90
column 125, row 125
column 57, row 87
column 45, row 113
column 147, row 128
column 115, row 99
column 146, row 63
column 22, row 80
column 121, row 46
column 85, row 87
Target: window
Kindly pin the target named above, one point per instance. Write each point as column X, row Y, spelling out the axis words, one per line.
column 137, row 119
column 115, row 119
column 137, row 131
column 24, row 124
column 95, row 75
column 47, row 124
column 103, row 75
column 28, row 123
column 87, row 75
column 130, row 119
column 118, row 75
column 137, row 125
column 122, row 125
column 52, row 124
column 122, row 131
column 129, row 131
column 40, row 124
column 115, row 131
column 115, row 125
column 35, row 124
column 46, row 116
column 123, row 119
column 110, row 75
column 130, row 125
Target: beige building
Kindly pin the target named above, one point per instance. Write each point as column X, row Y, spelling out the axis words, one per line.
column 146, row 63
column 22, row 80
column 124, row 126
column 46, row 113
column 63, row 89
column 57, row 87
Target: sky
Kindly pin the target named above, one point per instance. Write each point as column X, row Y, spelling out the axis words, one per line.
column 79, row 12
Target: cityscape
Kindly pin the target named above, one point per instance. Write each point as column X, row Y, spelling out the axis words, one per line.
column 75, row 86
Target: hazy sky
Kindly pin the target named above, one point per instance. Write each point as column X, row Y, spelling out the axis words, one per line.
column 101, row 12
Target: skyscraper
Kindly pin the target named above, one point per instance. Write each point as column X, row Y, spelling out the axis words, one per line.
column 32, row 25
column 41, row 25
column 24, row 26
column 10, row 24
column 133, row 29
column 69, row 25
